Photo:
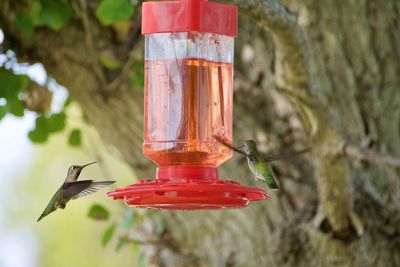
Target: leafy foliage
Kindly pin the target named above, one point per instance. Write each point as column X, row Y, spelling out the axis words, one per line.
column 135, row 246
column 98, row 212
column 75, row 138
column 56, row 122
column 46, row 125
column 25, row 24
column 108, row 234
column 112, row 11
column 38, row 135
column 11, row 86
column 3, row 111
column 110, row 63
column 126, row 224
column 121, row 243
column 54, row 14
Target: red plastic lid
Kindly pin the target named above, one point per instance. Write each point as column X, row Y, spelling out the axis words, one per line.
column 189, row 15
column 186, row 189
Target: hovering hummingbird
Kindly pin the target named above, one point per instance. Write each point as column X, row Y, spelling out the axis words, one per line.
column 72, row 189
column 258, row 162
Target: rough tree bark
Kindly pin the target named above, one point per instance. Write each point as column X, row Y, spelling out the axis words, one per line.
column 324, row 74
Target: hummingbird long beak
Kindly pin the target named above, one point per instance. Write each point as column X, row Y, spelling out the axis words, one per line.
column 83, row 166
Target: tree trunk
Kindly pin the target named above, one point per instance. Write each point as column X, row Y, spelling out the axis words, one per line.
column 324, row 74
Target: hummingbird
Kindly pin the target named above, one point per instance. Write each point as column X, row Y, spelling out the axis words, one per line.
column 258, row 162
column 73, row 189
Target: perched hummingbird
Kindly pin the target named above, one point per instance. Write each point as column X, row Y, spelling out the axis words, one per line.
column 72, row 189
column 258, row 162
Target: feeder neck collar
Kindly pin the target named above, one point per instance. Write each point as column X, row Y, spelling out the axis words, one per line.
column 183, row 172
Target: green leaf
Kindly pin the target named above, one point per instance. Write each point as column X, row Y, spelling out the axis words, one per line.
column 11, row 84
column 107, row 235
column 46, row 125
column 56, row 122
column 55, row 14
column 3, row 111
column 23, row 82
column 75, row 138
column 135, row 247
column 35, row 8
column 142, row 259
column 98, row 212
column 112, row 11
column 41, row 123
column 25, row 24
column 110, row 63
column 38, row 135
column 16, row 107
column 138, row 82
column 67, row 102
column 121, row 242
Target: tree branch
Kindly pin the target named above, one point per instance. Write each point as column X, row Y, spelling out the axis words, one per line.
column 126, row 70
column 293, row 77
column 371, row 156
column 291, row 52
column 294, row 80
column 133, row 41
column 82, row 12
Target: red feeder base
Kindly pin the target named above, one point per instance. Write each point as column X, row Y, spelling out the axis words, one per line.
column 187, row 188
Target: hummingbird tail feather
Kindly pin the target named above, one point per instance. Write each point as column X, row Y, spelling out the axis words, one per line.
column 41, row 217
column 46, row 212
column 272, row 184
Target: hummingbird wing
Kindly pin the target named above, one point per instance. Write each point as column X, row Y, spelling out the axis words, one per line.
column 79, row 189
column 285, row 156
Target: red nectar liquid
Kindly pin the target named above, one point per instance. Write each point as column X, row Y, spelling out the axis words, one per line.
column 187, row 101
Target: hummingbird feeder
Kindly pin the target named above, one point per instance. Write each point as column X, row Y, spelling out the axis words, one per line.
column 188, row 100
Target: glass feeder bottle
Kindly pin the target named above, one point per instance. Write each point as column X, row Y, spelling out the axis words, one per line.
column 188, row 100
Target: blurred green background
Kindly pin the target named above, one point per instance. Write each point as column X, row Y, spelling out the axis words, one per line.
column 30, row 175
